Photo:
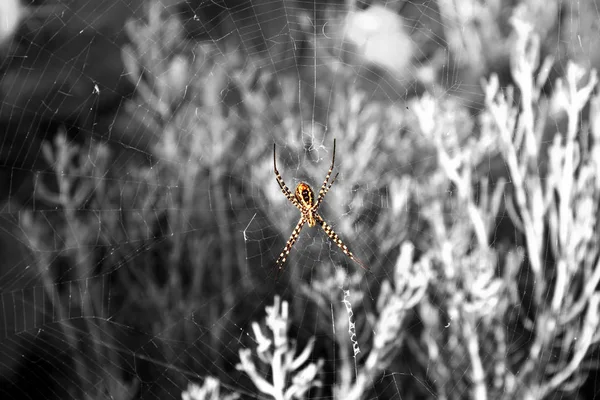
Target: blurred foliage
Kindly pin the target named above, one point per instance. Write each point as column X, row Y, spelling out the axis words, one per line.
column 150, row 272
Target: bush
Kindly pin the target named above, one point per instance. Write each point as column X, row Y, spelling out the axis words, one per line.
column 447, row 310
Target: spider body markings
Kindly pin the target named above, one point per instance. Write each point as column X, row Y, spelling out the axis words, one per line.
column 306, row 198
column 303, row 199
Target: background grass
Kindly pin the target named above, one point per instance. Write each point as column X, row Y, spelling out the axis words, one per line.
column 148, row 267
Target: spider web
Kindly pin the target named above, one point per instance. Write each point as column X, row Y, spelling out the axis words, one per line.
column 141, row 219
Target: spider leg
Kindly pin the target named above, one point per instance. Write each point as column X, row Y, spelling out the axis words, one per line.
column 286, row 250
column 284, row 189
column 289, row 195
column 324, row 187
column 333, row 236
column 322, row 193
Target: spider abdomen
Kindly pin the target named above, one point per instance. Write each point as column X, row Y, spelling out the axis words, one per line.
column 305, row 195
column 306, row 198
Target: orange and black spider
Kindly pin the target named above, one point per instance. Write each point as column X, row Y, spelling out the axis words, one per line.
column 304, row 199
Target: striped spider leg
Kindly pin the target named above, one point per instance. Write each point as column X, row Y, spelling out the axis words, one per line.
column 303, row 198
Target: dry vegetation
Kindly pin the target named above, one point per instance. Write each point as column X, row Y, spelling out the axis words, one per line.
column 163, row 266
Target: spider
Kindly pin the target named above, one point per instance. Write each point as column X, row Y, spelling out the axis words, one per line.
column 304, row 200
